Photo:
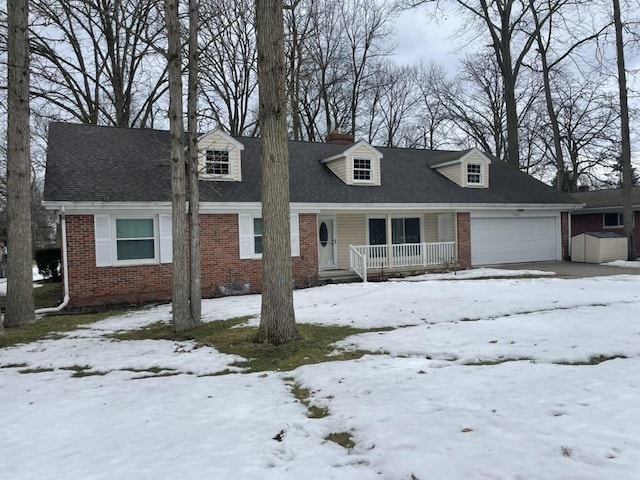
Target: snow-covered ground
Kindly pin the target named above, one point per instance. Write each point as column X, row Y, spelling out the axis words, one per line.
column 624, row 263
column 36, row 277
column 479, row 379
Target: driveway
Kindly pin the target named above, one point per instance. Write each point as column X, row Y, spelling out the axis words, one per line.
column 572, row 269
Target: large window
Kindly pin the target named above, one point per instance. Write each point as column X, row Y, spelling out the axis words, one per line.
column 613, row 220
column 250, row 231
column 474, row 174
column 405, row 230
column 362, row 170
column 217, row 163
column 132, row 240
column 135, row 239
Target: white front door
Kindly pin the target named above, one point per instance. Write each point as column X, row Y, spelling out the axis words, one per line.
column 327, row 242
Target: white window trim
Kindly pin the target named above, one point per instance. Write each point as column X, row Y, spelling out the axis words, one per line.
column 371, row 170
column 213, row 176
column 619, row 214
column 420, row 218
column 246, row 236
column 106, row 241
column 480, row 182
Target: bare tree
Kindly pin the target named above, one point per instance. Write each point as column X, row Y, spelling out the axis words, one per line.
column 228, row 65
column 277, row 323
column 182, row 318
column 19, row 308
column 625, row 157
column 96, row 61
column 195, row 290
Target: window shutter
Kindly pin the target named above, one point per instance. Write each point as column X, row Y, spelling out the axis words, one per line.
column 102, row 225
column 245, row 233
column 166, row 238
column 295, row 235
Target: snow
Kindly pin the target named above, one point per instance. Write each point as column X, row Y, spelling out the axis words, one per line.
column 624, row 263
column 478, row 379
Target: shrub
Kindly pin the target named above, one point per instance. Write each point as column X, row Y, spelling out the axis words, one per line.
column 48, row 261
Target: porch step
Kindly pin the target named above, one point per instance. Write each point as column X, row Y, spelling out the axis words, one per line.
column 337, row 276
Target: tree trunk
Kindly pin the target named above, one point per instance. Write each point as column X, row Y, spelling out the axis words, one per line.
column 625, row 157
column 19, row 308
column 277, row 324
column 180, row 288
column 194, row 194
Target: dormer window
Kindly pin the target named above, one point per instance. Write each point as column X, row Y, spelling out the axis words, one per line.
column 217, row 163
column 474, row 174
column 362, row 170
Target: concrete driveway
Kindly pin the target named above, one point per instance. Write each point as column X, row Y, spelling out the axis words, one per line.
column 572, row 269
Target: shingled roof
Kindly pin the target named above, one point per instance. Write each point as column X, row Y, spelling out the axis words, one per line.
column 606, row 199
column 88, row 163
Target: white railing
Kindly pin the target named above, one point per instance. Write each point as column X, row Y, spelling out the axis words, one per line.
column 363, row 257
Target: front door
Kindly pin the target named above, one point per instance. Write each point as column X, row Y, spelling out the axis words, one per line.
column 327, row 242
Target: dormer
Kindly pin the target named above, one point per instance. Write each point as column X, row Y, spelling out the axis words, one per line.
column 219, row 157
column 357, row 165
column 469, row 170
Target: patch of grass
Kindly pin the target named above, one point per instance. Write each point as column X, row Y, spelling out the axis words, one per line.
column 47, row 328
column 13, row 365
column 83, row 371
column 595, row 360
column 343, row 439
column 312, row 347
column 303, row 395
column 50, row 294
column 36, row 370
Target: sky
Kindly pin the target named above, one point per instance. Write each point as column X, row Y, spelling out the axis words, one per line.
column 475, row 379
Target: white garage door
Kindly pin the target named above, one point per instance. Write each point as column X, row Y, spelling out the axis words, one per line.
column 513, row 240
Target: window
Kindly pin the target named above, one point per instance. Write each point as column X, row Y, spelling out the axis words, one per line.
column 613, row 220
column 257, row 235
column 217, row 163
column 474, row 174
column 129, row 240
column 250, row 233
column 362, row 170
column 405, row 230
column 135, row 239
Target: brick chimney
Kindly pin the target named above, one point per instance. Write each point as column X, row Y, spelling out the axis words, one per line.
column 340, row 138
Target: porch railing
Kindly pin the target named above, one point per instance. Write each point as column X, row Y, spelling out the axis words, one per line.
column 364, row 257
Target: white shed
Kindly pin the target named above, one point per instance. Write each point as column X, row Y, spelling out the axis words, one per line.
column 598, row 247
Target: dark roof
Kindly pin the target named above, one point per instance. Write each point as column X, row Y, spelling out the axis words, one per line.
column 606, row 199
column 87, row 163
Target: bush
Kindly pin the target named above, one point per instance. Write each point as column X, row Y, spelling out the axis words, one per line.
column 48, row 261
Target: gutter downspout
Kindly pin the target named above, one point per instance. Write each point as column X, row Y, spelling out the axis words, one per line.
column 65, row 300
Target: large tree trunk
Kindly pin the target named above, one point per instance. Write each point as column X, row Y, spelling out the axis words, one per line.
column 19, row 308
column 625, row 157
column 277, row 324
column 194, row 194
column 181, row 309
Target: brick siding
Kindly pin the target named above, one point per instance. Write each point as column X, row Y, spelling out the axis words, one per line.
column 92, row 286
column 463, row 220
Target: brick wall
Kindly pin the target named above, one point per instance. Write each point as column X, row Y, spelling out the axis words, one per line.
column 463, row 220
column 91, row 286
column 564, row 234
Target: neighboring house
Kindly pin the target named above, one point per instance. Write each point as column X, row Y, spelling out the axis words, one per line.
column 354, row 207
column 602, row 212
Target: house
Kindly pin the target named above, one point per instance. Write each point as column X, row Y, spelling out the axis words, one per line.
column 602, row 212
column 354, row 208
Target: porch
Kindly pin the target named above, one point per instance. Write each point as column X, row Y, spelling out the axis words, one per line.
column 367, row 259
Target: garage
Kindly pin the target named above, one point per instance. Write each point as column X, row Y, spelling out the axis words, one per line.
column 514, row 239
